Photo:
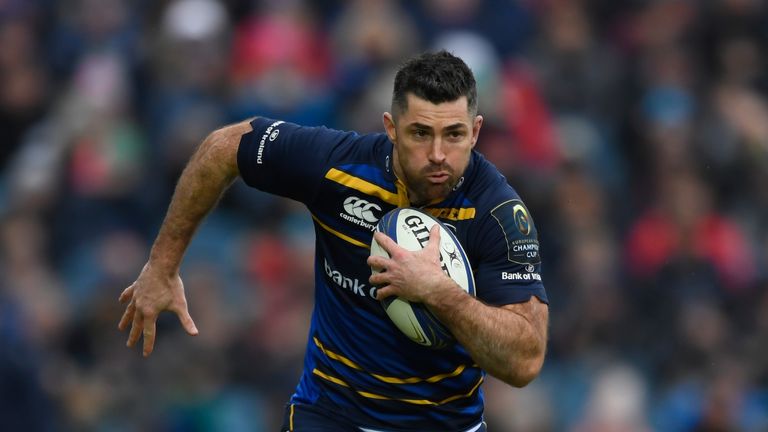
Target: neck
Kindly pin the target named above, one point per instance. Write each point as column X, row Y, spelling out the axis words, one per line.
column 413, row 198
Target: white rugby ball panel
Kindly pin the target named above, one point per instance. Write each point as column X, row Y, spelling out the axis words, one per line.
column 410, row 228
column 402, row 313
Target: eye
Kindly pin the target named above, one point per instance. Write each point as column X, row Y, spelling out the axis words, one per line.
column 420, row 133
column 456, row 135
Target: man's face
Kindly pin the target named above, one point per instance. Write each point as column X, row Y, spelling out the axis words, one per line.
column 432, row 146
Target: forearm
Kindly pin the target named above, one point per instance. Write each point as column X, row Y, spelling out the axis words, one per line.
column 210, row 171
column 508, row 343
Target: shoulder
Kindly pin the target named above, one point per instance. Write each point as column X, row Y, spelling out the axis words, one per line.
column 287, row 159
column 502, row 218
column 320, row 141
column 486, row 187
column 501, row 240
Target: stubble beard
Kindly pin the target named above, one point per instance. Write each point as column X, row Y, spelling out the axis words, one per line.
column 423, row 192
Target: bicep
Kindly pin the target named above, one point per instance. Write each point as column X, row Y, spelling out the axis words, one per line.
column 223, row 144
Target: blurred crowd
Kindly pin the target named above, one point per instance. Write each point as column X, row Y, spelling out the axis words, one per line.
column 636, row 132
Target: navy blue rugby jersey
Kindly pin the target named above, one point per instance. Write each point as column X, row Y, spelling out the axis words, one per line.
column 357, row 363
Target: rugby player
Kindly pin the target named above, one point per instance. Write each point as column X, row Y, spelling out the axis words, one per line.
column 360, row 372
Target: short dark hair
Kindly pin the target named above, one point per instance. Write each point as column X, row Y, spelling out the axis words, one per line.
column 435, row 77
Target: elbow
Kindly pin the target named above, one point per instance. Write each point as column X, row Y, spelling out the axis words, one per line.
column 521, row 373
column 522, row 379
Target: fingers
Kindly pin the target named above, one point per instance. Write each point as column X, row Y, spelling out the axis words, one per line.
column 377, row 263
column 392, row 248
column 384, row 292
column 127, row 316
column 386, row 243
column 136, row 328
column 186, row 321
column 149, row 334
column 146, row 325
column 434, row 237
column 381, row 264
column 378, row 279
column 126, row 295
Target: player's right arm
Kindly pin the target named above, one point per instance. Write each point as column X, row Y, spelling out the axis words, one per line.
column 210, row 171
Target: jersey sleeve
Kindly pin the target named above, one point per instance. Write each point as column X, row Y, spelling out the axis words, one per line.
column 287, row 159
column 508, row 269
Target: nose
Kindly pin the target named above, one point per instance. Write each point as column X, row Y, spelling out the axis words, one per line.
column 436, row 153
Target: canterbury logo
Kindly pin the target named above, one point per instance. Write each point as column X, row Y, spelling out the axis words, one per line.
column 361, row 208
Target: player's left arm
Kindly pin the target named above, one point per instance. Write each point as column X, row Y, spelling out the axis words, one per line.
column 506, row 341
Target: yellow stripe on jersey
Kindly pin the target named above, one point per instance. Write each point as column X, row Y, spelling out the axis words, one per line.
column 290, row 420
column 455, row 214
column 399, row 199
column 337, row 357
column 327, row 377
column 344, row 237
column 388, row 379
column 370, row 395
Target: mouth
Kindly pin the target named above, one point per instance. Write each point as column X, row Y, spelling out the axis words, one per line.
column 438, row 177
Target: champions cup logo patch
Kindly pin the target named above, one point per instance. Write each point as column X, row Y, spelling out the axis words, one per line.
column 522, row 221
column 519, row 232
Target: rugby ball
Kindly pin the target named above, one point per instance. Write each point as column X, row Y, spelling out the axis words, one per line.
column 409, row 228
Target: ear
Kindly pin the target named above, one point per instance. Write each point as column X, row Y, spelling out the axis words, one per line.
column 389, row 126
column 476, row 125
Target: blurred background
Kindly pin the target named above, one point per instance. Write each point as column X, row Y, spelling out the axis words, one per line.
column 636, row 132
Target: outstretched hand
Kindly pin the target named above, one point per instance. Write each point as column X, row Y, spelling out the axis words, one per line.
column 413, row 275
column 149, row 295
